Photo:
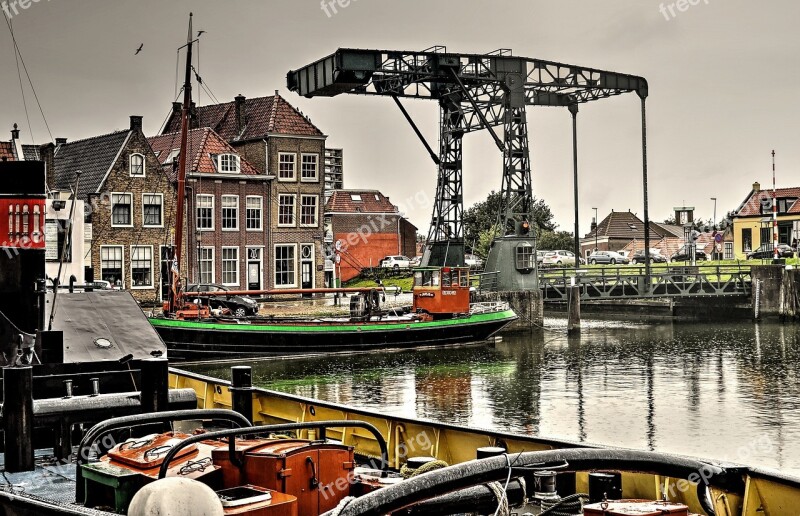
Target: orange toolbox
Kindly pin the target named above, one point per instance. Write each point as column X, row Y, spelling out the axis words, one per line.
column 636, row 507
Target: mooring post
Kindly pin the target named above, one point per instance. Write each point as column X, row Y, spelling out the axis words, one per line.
column 155, row 384
column 18, row 418
column 242, row 391
column 574, row 317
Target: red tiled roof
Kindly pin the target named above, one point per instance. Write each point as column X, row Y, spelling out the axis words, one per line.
column 372, row 201
column 263, row 115
column 7, row 151
column 203, row 145
column 752, row 206
column 626, row 225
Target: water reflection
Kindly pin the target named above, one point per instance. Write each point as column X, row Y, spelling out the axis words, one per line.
column 725, row 391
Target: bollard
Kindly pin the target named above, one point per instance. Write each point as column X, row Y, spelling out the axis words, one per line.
column 18, row 418
column 242, row 391
column 155, row 384
column 574, row 317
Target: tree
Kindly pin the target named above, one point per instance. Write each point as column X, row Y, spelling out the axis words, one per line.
column 556, row 240
column 482, row 217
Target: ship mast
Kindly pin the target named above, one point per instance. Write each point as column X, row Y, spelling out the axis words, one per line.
column 176, row 294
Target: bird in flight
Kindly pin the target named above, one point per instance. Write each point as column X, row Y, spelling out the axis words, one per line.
column 200, row 33
column 139, row 49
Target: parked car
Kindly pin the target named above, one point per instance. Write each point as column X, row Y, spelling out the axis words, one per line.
column 683, row 255
column 607, row 257
column 655, row 257
column 396, row 262
column 240, row 306
column 556, row 258
column 766, row 252
column 473, row 261
column 540, row 257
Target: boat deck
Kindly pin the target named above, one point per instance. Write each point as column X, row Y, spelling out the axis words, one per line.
column 50, row 487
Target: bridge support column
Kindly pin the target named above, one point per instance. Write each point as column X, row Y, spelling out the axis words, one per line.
column 574, row 309
column 527, row 304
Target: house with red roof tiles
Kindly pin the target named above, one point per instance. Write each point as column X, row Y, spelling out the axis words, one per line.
column 367, row 227
column 753, row 219
column 279, row 141
column 226, row 219
column 621, row 228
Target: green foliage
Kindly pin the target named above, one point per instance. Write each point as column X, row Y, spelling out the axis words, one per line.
column 484, row 241
column 481, row 217
column 555, row 240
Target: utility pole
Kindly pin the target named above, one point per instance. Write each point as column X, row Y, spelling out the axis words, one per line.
column 596, row 226
column 714, row 228
column 774, row 212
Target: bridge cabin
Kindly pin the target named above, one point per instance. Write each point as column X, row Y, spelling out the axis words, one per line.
column 441, row 292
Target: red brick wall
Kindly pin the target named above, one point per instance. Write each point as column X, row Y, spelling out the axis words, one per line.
column 365, row 252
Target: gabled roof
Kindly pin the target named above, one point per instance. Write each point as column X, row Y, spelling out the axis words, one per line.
column 7, row 152
column 94, row 157
column 670, row 229
column 372, row 201
column 262, row 116
column 626, row 225
column 752, row 205
column 204, row 145
column 31, row 152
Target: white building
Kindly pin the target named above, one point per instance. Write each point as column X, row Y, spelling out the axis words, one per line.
column 72, row 245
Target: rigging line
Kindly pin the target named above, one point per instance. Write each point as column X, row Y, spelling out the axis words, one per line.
column 30, row 81
column 19, row 76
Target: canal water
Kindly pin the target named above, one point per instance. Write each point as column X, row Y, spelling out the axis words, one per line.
column 724, row 391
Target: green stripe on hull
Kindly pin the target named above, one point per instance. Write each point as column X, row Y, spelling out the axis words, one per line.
column 508, row 315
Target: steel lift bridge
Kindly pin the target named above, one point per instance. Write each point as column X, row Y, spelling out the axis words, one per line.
column 475, row 92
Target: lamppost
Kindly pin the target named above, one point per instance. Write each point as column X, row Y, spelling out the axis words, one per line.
column 596, row 225
column 714, row 228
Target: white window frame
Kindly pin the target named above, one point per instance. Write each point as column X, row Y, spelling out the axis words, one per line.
column 122, row 260
column 294, row 166
column 236, row 164
column 316, row 211
column 728, row 250
column 314, row 179
column 197, row 208
column 275, row 266
column 130, row 165
column 294, row 211
column 161, row 197
column 260, row 213
column 130, row 196
column 222, row 209
column 213, row 264
column 173, row 156
column 152, row 271
column 238, row 265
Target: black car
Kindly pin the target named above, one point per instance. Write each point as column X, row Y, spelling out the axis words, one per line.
column 638, row 257
column 682, row 255
column 766, row 252
column 239, row 306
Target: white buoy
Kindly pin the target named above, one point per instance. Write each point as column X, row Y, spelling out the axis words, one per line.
column 176, row 497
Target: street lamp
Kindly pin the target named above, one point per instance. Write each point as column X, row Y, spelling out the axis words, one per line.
column 596, row 225
column 714, row 221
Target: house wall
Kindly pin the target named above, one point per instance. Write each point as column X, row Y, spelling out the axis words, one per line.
column 408, row 239
column 755, row 225
column 366, row 239
column 104, row 234
column 74, row 266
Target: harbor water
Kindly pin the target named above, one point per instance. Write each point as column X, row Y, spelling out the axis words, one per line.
column 726, row 391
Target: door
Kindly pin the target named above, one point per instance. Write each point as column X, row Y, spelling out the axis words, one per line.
column 307, row 267
column 306, row 275
column 166, row 254
column 254, row 262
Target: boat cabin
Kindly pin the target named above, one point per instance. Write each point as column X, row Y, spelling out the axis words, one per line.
column 441, row 291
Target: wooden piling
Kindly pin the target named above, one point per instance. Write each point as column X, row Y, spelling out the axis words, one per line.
column 574, row 317
column 18, row 418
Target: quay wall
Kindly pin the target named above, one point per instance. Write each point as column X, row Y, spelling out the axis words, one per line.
column 528, row 305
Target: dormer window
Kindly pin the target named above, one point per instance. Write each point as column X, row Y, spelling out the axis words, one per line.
column 355, row 197
column 229, row 163
column 173, row 156
column 137, row 165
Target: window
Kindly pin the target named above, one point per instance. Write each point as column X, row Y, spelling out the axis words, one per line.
column 206, row 260
column 285, row 265
column 286, row 165
column 525, row 258
column 229, row 163
column 56, row 232
column 309, row 168
column 766, row 236
column 230, row 213
column 253, row 212
column 205, row 212
column 230, row 265
column 111, row 264
column 141, row 267
column 173, row 157
column 286, row 210
column 308, row 210
column 355, row 197
column 152, row 209
column 121, row 208
column 729, row 250
column 747, row 239
column 137, row 165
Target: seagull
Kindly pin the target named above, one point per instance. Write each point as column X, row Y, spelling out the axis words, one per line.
column 200, row 33
column 139, row 49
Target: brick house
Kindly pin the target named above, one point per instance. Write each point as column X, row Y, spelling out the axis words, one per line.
column 130, row 205
column 752, row 220
column 369, row 227
column 226, row 220
column 278, row 141
column 621, row 228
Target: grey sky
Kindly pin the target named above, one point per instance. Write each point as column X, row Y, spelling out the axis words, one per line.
column 723, row 77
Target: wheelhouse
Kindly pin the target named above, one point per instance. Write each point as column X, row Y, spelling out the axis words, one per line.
column 441, row 291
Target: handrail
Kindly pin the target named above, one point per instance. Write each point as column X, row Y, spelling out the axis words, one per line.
column 162, row 472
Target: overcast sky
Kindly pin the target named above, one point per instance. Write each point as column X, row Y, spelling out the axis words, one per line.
column 723, row 78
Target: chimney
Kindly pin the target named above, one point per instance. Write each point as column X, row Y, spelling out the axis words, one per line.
column 756, row 187
column 194, row 122
column 46, row 154
column 17, row 144
column 136, row 123
column 177, row 107
column 15, row 133
column 240, row 115
column 61, row 141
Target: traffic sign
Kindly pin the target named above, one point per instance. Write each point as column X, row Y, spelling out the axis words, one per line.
column 719, row 247
column 718, row 238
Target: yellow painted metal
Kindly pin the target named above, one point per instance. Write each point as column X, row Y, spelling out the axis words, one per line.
column 408, row 438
